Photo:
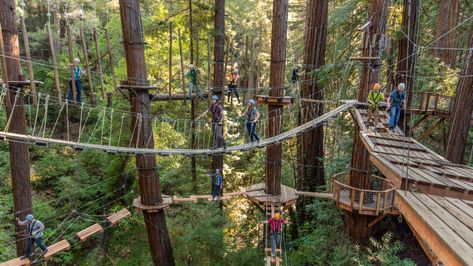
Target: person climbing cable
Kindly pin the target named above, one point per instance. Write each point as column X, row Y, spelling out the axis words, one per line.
column 296, row 72
column 216, row 109
column 35, row 230
column 396, row 100
column 217, row 184
column 275, row 224
column 232, row 85
column 251, row 115
column 77, row 71
column 192, row 75
column 374, row 98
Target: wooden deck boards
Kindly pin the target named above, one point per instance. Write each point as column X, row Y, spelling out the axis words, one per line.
column 256, row 194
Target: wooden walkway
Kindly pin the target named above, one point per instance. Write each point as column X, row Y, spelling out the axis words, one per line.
column 434, row 195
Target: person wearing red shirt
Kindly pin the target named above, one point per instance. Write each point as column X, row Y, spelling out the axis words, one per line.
column 275, row 224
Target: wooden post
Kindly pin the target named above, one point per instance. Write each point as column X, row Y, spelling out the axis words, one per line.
column 208, row 62
column 150, row 190
column 19, row 157
column 71, row 59
column 219, row 71
column 110, row 58
column 461, row 113
column 53, row 57
column 276, row 80
column 361, row 170
column 109, row 100
column 86, row 65
column 28, row 60
column 99, row 62
column 311, row 143
column 170, row 58
column 407, row 56
column 183, row 76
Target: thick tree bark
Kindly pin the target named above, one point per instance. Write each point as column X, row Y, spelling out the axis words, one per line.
column 446, row 21
column 219, row 72
column 150, row 189
column 276, row 83
column 311, row 143
column 19, row 157
column 407, row 55
column 193, row 100
column 461, row 113
column 373, row 43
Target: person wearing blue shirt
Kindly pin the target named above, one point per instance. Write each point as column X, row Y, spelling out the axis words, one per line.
column 77, row 73
column 217, row 182
column 396, row 99
column 35, row 230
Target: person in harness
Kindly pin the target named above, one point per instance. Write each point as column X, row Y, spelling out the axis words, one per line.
column 396, row 99
column 374, row 98
column 216, row 109
column 193, row 81
column 77, row 71
column 296, row 73
column 275, row 224
column 217, row 184
column 35, row 230
column 232, row 85
column 251, row 115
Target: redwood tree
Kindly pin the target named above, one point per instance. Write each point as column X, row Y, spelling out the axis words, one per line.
column 461, row 113
column 447, row 38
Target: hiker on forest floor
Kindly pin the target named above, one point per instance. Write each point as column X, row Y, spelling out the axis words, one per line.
column 35, row 230
column 396, row 100
column 251, row 115
column 217, row 184
column 275, row 224
column 296, row 73
column 232, row 85
column 77, row 71
column 192, row 75
column 375, row 97
column 216, row 109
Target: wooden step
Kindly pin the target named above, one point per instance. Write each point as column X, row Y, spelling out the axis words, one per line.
column 177, row 200
column 269, row 250
column 89, row 231
column 58, row 247
column 16, row 262
column 114, row 218
column 269, row 260
column 200, row 196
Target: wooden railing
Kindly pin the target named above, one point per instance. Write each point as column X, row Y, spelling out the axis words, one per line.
column 374, row 201
column 431, row 102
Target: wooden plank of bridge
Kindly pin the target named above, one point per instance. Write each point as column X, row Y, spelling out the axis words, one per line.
column 89, row 231
column 16, row 262
column 114, row 218
column 62, row 245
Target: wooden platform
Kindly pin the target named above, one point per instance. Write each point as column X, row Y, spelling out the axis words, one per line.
column 89, row 231
column 56, row 248
column 256, row 194
column 272, row 100
column 167, row 200
column 114, row 218
column 443, row 225
column 16, row 262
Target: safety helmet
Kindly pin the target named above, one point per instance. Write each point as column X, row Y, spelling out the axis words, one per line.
column 76, row 60
column 217, row 171
column 215, row 97
column 252, row 102
column 299, row 66
column 191, row 66
column 401, row 86
column 376, row 86
column 29, row 217
column 276, row 215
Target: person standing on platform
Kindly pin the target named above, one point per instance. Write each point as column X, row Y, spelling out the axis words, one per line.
column 296, row 73
column 374, row 98
column 232, row 85
column 396, row 100
column 217, row 184
column 35, row 230
column 251, row 115
column 275, row 224
column 77, row 71
column 193, row 81
column 216, row 109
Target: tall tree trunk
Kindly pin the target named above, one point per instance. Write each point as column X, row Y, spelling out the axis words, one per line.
column 276, row 83
column 219, row 72
column 373, row 43
column 461, row 114
column 311, row 143
column 193, row 100
column 19, row 157
column 446, row 21
column 150, row 189
column 407, row 55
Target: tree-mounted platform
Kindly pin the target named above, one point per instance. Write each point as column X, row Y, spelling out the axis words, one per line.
column 139, row 206
column 273, row 100
column 256, row 193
